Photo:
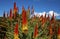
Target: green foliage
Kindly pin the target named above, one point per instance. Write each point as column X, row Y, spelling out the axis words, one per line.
column 43, row 32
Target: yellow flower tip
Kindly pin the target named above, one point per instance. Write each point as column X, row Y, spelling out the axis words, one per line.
column 58, row 37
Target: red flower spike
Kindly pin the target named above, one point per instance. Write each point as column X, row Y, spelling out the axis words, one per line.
column 32, row 10
column 10, row 14
column 59, row 30
column 53, row 18
column 16, row 29
column 24, row 18
column 48, row 18
column 4, row 14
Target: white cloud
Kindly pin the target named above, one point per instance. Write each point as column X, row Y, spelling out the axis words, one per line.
column 38, row 14
column 43, row 13
column 55, row 13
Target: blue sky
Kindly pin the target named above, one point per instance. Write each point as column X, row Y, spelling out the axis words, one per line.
column 39, row 5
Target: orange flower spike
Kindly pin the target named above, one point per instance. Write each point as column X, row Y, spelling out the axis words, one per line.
column 36, row 30
column 58, row 33
column 50, row 29
column 43, row 20
column 15, row 9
